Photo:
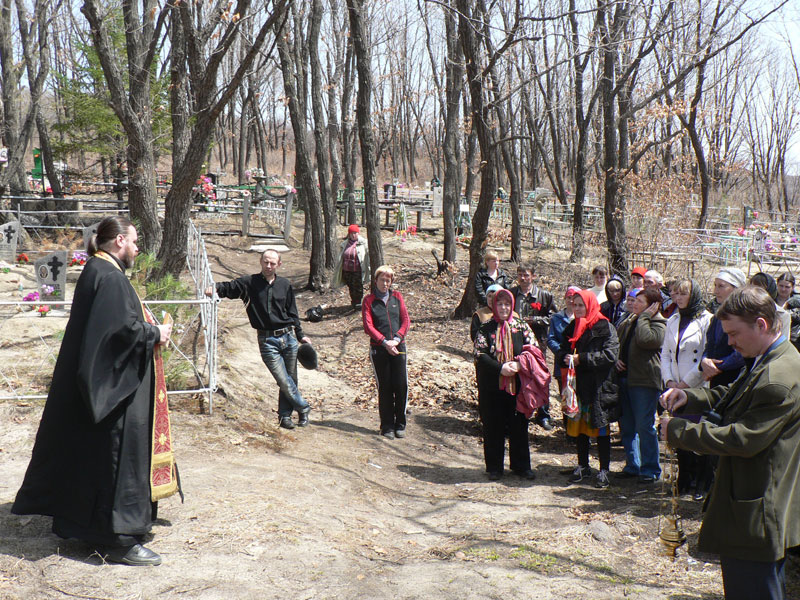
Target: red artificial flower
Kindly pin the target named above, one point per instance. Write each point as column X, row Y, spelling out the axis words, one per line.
column 536, row 305
column 22, row 257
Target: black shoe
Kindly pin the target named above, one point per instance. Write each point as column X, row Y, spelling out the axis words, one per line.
column 287, row 423
column 602, row 479
column 389, row 435
column 579, row 473
column 526, row 474
column 135, row 556
column 648, row 479
column 495, row 475
column 302, row 419
column 699, row 496
column 545, row 424
column 625, row 475
column 400, row 433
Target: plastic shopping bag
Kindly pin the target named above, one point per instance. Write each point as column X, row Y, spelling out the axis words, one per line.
column 569, row 398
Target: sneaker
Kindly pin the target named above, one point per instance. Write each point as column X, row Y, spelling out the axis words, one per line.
column 400, row 433
column 579, row 473
column 389, row 435
column 602, row 479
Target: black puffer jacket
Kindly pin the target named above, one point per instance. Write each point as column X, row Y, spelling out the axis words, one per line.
column 792, row 306
column 595, row 383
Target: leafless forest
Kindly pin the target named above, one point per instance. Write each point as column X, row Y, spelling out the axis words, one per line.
column 673, row 106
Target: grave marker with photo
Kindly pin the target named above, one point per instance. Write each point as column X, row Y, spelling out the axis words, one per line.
column 51, row 270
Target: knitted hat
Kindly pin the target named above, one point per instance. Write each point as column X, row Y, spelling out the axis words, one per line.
column 732, row 275
column 495, row 287
column 353, row 228
column 633, row 293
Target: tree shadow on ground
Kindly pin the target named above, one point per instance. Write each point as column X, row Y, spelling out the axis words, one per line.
column 458, row 352
column 622, row 496
column 345, row 427
column 442, row 474
column 448, row 424
column 29, row 537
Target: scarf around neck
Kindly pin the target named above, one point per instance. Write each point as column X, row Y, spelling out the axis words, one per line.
column 504, row 345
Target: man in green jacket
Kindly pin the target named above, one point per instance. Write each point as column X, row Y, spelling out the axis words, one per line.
column 752, row 512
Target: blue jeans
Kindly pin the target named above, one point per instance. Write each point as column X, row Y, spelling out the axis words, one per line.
column 637, row 425
column 280, row 356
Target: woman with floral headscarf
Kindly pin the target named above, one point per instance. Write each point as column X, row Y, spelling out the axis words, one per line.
column 592, row 342
column 497, row 343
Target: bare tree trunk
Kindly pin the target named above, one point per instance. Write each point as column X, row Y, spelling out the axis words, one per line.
column 131, row 103
column 451, row 191
column 208, row 102
column 317, row 278
column 361, row 49
column 320, row 136
column 482, row 127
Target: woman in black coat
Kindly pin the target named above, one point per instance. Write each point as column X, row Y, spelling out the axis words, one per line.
column 592, row 341
column 498, row 341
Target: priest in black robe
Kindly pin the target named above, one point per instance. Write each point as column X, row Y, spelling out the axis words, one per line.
column 90, row 468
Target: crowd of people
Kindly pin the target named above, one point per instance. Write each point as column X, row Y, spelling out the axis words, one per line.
column 627, row 342
column 724, row 373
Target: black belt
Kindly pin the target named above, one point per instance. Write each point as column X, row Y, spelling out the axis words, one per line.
column 275, row 332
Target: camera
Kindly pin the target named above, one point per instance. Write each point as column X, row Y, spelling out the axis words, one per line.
column 712, row 417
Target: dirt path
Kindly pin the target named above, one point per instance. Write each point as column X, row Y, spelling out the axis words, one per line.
column 336, row 511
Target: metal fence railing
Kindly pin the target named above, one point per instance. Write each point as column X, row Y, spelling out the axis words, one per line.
column 31, row 343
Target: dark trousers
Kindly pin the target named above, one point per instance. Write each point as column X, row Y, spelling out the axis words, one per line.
column 603, row 450
column 355, row 285
column 392, row 379
column 752, row 579
column 500, row 418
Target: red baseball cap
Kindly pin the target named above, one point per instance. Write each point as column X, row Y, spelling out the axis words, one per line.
column 639, row 271
column 353, row 228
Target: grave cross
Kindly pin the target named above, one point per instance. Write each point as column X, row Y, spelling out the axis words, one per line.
column 9, row 231
column 55, row 266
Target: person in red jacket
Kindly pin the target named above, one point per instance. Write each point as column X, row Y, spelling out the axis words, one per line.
column 386, row 323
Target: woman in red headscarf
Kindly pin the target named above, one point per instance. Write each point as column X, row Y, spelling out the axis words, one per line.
column 497, row 343
column 592, row 342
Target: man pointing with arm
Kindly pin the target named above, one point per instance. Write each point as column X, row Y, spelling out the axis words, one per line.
column 271, row 309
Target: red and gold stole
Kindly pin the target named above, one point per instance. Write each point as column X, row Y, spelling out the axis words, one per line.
column 163, row 471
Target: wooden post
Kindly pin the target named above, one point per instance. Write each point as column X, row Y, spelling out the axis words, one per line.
column 246, row 216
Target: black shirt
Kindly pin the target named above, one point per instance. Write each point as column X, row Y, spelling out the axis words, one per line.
column 269, row 306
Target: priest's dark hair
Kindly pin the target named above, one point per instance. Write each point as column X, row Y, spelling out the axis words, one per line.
column 108, row 229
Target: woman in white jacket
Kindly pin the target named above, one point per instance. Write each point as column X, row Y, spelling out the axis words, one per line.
column 685, row 338
column 684, row 343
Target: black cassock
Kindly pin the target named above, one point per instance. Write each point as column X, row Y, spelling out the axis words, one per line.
column 90, row 466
